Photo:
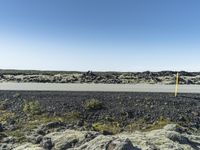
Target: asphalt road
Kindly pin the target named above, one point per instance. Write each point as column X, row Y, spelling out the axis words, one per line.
column 99, row 87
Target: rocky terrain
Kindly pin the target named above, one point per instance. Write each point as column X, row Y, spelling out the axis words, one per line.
column 163, row 77
column 98, row 120
column 171, row 137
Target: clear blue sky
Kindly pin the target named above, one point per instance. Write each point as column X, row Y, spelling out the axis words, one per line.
column 100, row 35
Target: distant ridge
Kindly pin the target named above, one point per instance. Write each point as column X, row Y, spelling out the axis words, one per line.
column 112, row 77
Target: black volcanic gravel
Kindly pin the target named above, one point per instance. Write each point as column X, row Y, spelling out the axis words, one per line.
column 123, row 106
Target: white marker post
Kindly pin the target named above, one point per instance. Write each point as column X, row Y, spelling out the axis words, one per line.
column 177, row 82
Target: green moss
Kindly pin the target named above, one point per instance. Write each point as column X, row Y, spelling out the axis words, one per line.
column 71, row 117
column 32, row 108
column 37, row 120
column 93, row 104
column 111, row 127
column 34, row 121
column 5, row 115
column 142, row 125
column 17, row 134
column 137, row 125
column 159, row 124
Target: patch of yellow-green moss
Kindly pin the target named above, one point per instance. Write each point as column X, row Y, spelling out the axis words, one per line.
column 142, row 125
column 137, row 125
column 92, row 104
column 31, row 108
column 159, row 124
column 111, row 127
column 17, row 134
column 36, row 120
column 71, row 117
column 5, row 115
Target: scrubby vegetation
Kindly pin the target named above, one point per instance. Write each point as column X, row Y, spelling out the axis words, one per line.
column 93, row 104
column 6, row 115
column 32, row 108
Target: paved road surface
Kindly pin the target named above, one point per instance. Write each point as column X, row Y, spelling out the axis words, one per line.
column 99, row 87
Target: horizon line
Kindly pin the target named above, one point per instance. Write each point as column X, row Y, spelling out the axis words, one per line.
column 54, row 70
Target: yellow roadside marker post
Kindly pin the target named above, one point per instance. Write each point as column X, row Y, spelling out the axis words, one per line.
column 177, row 81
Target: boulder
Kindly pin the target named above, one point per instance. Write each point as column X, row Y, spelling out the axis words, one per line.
column 5, row 146
column 47, row 143
column 98, row 143
column 34, row 138
column 108, row 143
column 176, row 137
column 121, row 144
column 7, row 140
column 28, row 146
column 174, row 127
column 66, row 139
